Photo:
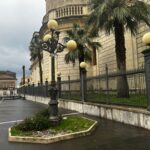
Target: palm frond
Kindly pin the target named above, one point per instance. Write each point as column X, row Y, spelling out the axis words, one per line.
column 83, row 37
column 106, row 12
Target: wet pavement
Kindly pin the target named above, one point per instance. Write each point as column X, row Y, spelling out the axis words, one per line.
column 109, row 135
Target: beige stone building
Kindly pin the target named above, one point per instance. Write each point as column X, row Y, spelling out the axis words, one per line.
column 7, row 83
column 28, row 81
column 67, row 12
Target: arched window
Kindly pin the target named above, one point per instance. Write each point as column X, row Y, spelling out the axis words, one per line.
column 94, row 59
column 61, row 13
column 81, row 10
column 72, row 10
column 75, row 10
column 64, row 12
column 78, row 8
column 57, row 13
column 67, row 11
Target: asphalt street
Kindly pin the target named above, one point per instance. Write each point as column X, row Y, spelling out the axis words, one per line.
column 109, row 135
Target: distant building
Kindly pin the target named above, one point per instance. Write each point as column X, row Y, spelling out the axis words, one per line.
column 28, row 81
column 7, row 83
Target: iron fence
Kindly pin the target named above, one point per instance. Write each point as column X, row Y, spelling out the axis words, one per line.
column 103, row 89
column 99, row 89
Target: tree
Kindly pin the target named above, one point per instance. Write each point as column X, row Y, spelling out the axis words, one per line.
column 85, row 45
column 35, row 52
column 117, row 16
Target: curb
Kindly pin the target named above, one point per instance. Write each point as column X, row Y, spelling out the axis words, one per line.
column 48, row 140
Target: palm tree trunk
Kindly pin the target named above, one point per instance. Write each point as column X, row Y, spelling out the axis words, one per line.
column 122, row 83
column 40, row 68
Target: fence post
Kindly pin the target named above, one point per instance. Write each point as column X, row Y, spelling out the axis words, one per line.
column 38, row 93
column 69, row 86
column 107, row 82
column 33, row 89
column 83, row 85
column 147, row 74
column 28, row 89
column 24, row 91
column 46, row 88
column 59, row 84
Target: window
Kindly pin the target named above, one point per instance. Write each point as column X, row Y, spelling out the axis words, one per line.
column 76, row 11
column 94, row 57
column 57, row 14
column 72, row 10
column 81, row 10
column 67, row 11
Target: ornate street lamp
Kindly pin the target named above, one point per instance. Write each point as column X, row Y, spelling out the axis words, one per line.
column 51, row 44
column 146, row 38
column 83, row 66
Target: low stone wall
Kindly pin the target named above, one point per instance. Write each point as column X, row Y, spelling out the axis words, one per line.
column 132, row 116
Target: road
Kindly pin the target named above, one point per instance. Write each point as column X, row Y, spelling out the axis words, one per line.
column 109, row 135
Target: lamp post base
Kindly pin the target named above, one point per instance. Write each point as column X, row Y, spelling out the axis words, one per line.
column 54, row 120
column 53, row 105
column 53, row 113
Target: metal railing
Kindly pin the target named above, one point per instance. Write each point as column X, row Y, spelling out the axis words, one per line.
column 99, row 89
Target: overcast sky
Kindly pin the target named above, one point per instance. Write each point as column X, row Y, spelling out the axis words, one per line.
column 18, row 20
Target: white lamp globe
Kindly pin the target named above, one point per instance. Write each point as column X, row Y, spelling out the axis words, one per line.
column 47, row 37
column 58, row 73
column 83, row 65
column 52, row 24
column 71, row 45
column 146, row 38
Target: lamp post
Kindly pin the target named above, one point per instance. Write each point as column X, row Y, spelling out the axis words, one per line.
column 59, row 83
column 51, row 44
column 146, row 52
column 83, row 66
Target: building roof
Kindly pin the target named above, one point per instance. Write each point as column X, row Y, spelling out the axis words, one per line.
column 7, row 75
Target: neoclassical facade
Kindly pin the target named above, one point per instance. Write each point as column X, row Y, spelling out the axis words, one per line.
column 7, row 82
column 67, row 12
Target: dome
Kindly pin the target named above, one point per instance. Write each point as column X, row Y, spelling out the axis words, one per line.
column 66, row 12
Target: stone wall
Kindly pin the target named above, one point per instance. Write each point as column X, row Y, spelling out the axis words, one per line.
column 132, row 116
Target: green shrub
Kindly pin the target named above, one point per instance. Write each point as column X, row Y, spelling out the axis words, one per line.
column 26, row 125
column 44, row 113
column 41, row 123
column 36, row 123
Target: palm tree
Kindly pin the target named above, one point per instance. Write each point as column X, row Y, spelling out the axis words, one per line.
column 117, row 16
column 35, row 52
column 85, row 45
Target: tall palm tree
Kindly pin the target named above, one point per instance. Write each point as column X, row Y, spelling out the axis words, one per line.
column 85, row 45
column 117, row 16
column 35, row 52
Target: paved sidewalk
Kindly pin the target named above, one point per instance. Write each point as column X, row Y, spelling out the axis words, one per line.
column 108, row 135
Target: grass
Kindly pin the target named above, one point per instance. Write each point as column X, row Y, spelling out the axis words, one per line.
column 73, row 96
column 136, row 100
column 68, row 125
column 16, row 132
column 73, row 124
